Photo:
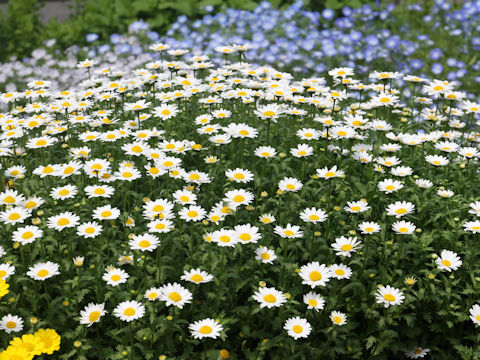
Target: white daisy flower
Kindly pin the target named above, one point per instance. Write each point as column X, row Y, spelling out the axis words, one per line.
column 63, row 220
column 206, row 328
column 338, row 318
column 92, row 313
column 129, row 311
column 115, row 277
column 43, row 271
column 403, row 227
column 388, row 295
column 313, row 215
column 448, row 260
column 269, row 297
column 89, row 230
column 340, row 271
column 345, row 246
column 400, row 208
column 26, row 235
column 175, row 294
column 11, row 323
column 475, row 314
column 314, row 301
column 290, row 231
column 265, row 255
column 368, row 227
column 297, row 327
column 315, row 274
column 196, row 276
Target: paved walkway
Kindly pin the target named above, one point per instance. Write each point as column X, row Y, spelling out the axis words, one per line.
column 51, row 9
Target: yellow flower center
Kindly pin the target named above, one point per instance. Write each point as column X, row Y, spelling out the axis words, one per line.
column 42, row 273
column 245, row 237
column 192, row 213
column 9, row 199
column 11, row 325
column 269, row 113
column 289, row 232
column 329, row 174
column 390, row 187
column 27, row 235
column 340, row 272
column 315, row 276
column 312, row 302
column 94, row 316
column 270, row 298
column 389, row 297
column 446, row 263
column 238, row 198
column 346, row 247
column 158, row 208
column 239, row 176
column 265, row 256
column 129, row 311
column 205, row 329
column 356, row 208
column 41, row 143
column 369, row 229
column 144, row 243
column 403, row 229
column 14, row 216
column 63, row 222
column 401, row 211
column 337, row 319
column 115, row 277
column 314, row 217
column 297, row 329
column 194, row 177
column 197, row 278
column 175, row 296
column 106, row 213
column 184, row 198
column 225, row 238
column 63, row 192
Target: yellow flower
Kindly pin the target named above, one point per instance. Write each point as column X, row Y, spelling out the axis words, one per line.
column 13, row 353
column 3, row 288
column 224, row 354
column 28, row 342
column 50, row 340
column 410, row 280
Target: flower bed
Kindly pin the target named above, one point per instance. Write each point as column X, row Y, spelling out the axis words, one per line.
column 186, row 208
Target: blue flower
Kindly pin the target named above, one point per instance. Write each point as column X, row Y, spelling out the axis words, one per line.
column 437, row 68
column 416, row 64
column 115, row 38
column 436, row 54
column 328, row 14
column 347, row 11
column 92, row 37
